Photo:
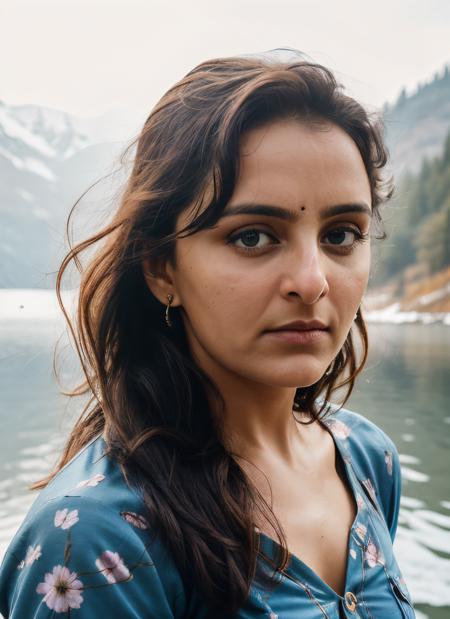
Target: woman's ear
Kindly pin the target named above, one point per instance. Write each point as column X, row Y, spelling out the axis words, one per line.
column 159, row 279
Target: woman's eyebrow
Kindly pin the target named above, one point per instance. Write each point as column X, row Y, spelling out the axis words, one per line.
column 250, row 208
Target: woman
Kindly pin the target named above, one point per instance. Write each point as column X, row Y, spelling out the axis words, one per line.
column 207, row 477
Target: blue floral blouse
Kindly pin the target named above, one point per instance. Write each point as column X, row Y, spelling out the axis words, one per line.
column 85, row 549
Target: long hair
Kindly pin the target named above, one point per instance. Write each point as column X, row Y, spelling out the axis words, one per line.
column 145, row 393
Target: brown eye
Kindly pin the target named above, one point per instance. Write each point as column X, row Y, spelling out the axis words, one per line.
column 338, row 235
column 250, row 239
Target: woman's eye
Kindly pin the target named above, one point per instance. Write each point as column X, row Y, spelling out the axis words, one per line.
column 354, row 236
column 250, row 239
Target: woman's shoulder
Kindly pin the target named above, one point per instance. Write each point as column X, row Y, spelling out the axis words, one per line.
column 364, row 435
column 374, row 458
column 91, row 482
column 91, row 474
column 86, row 542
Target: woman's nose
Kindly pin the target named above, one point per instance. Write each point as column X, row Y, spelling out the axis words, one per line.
column 304, row 275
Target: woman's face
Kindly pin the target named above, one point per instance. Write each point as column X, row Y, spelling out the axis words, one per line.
column 255, row 272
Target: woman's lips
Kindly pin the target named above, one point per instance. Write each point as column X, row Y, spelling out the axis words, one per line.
column 292, row 336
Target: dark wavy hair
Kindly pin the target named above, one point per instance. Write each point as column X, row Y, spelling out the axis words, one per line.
column 145, row 393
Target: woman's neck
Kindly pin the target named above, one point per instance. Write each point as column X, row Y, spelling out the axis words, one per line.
column 262, row 428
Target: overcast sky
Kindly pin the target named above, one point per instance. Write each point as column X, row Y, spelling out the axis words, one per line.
column 88, row 56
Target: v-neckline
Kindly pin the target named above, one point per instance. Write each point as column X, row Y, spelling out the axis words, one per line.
column 296, row 565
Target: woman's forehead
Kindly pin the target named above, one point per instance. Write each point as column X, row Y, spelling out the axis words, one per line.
column 289, row 141
column 292, row 164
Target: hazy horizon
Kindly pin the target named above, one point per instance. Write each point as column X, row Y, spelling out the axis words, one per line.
column 90, row 57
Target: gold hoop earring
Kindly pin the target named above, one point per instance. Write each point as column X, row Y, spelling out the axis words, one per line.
column 327, row 373
column 169, row 299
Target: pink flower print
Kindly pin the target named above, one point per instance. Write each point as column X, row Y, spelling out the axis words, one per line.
column 61, row 590
column 112, row 567
column 31, row 556
column 339, row 428
column 361, row 531
column 360, row 501
column 388, row 460
column 66, row 519
column 370, row 489
column 273, row 616
column 93, row 481
column 373, row 555
column 353, row 553
column 136, row 520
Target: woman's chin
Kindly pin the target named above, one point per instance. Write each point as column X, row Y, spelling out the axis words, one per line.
column 296, row 380
column 310, row 383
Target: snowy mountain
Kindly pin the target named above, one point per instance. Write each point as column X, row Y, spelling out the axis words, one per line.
column 50, row 132
column 47, row 159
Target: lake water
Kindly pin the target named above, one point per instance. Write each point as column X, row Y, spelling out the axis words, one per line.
column 405, row 389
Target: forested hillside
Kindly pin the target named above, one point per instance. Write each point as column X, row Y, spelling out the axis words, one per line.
column 411, row 267
column 418, row 221
column 417, row 123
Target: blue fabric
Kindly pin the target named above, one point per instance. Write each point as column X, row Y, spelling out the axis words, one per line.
column 85, row 550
